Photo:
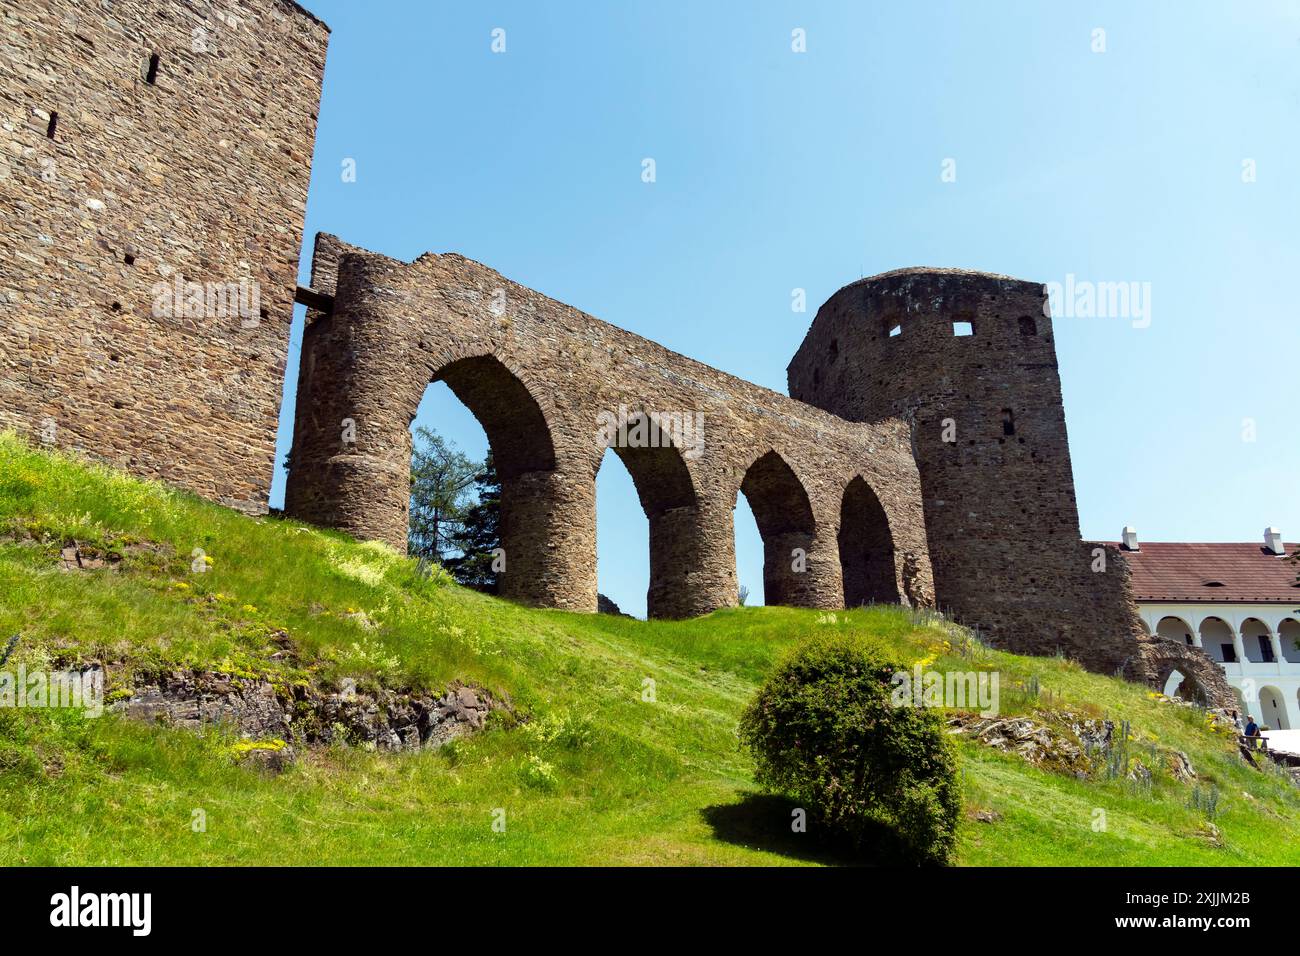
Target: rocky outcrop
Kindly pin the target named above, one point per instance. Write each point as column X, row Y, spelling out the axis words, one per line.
column 1065, row 742
column 1035, row 741
column 300, row 716
column 79, row 556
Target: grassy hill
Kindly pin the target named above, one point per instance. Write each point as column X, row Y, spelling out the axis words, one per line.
column 593, row 774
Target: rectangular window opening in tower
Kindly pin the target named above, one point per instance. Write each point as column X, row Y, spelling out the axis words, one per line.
column 151, row 74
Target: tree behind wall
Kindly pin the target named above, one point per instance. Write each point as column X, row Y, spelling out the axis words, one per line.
column 441, row 478
column 480, row 533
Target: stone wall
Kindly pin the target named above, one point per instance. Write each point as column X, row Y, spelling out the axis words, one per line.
column 147, row 142
column 968, row 359
column 154, row 167
column 539, row 375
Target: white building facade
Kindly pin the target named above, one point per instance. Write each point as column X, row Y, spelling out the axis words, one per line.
column 1240, row 603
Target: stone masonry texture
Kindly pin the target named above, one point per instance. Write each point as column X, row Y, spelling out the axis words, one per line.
column 149, row 148
column 968, row 360
column 539, row 376
column 146, row 142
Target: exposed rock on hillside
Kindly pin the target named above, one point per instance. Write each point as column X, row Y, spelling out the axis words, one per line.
column 1065, row 742
column 302, row 716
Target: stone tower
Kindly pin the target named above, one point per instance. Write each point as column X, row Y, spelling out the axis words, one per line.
column 968, row 359
column 153, row 185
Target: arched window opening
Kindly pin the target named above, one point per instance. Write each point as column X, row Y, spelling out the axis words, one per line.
column 1288, row 633
column 1174, row 629
column 1216, row 639
column 1272, row 709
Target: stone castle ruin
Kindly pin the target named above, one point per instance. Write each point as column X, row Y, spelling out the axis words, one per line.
column 154, row 181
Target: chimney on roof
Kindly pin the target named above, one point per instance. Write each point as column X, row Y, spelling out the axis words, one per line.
column 1273, row 541
column 1128, row 538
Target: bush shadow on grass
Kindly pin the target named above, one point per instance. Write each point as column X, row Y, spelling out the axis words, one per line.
column 763, row 821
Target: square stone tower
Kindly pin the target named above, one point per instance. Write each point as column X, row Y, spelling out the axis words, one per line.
column 154, row 164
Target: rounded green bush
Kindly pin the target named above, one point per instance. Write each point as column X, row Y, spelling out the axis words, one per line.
column 879, row 778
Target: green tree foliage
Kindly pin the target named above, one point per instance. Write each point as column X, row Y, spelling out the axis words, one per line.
column 878, row 778
column 480, row 533
column 441, row 478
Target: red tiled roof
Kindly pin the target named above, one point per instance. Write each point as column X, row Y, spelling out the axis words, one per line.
column 1177, row 571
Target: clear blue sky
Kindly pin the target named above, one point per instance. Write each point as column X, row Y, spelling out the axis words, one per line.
column 779, row 170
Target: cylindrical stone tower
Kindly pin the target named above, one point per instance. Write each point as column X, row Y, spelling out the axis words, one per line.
column 968, row 358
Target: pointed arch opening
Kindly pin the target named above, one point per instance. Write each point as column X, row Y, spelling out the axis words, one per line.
column 784, row 517
column 519, row 485
column 516, row 428
column 867, row 557
column 1184, row 686
column 666, row 493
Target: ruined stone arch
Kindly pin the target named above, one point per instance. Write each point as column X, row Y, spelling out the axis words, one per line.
column 518, row 430
column 437, row 365
column 520, row 436
column 666, row 489
column 868, row 560
column 784, row 515
column 380, row 330
column 1175, row 683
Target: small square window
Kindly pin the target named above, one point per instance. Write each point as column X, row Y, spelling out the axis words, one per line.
column 895, row 330
column 963, row 328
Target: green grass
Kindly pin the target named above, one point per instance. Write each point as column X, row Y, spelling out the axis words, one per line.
column 596, row 775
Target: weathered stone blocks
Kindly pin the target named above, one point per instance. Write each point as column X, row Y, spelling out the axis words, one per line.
column 192, row 178
column 988, row 431
column 545, row 381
